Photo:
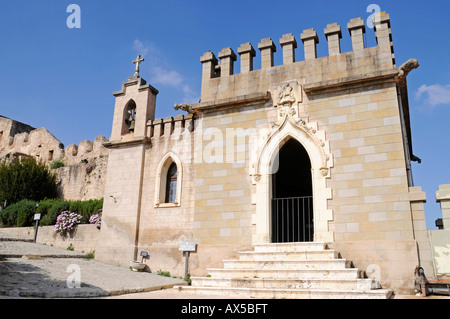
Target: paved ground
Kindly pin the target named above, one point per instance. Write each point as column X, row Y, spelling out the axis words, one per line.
column 33, row 270
column 30, row 270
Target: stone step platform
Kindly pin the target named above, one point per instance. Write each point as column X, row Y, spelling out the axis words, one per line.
column 272, row 283
column 270, row 293
column 288, row 270
column 282, row 255
column 307, row 264
column 290, row 247
column 349, row 273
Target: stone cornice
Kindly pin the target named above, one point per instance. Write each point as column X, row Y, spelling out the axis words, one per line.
column 127, row 142
column 351, row 82
column 235, row 102
column 135, row 80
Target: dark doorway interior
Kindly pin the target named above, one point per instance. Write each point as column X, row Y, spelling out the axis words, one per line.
column 292, row 210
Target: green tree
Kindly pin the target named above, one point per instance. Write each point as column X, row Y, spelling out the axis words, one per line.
column 26, row 179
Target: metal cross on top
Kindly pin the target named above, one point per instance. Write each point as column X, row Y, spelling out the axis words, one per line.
column 137, row 62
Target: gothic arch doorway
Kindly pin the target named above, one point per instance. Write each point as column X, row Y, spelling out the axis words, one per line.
column 313, row 140
column 292, row 195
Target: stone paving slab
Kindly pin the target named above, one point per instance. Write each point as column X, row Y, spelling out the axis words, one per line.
column 33, row 270
column 49, row 278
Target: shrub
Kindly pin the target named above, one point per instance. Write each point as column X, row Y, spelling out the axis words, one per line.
column 86, row 208
column 19, row 214
column 25, row 214
column 57, row 164
column 43, row 208
column 90, row 255
column 26, row 179
column 163, row 273
column 53, row 211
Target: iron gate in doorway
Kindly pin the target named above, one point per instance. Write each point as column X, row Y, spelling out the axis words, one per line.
column 292, row 219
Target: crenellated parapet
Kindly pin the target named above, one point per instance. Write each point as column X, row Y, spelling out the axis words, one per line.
column 170, row 127
column 219, row 80
column 20, row 139
column 85, row 150
column 38, row 143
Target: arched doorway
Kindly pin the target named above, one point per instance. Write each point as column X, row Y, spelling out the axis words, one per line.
column 292, row 200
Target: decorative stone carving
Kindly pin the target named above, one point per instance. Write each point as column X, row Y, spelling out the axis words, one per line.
column 184, row 107
column 405, row 68
column 288, row 117
column 287, row 98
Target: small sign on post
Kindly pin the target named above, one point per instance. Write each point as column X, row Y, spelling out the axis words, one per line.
column 187, row 247
column 144, row 254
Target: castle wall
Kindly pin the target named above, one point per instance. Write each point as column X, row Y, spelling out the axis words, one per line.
column 83, row 181
column 21, row 139
column 84, row 172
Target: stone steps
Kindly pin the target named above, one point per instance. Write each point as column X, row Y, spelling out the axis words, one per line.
column 290, row 247
column 331, row 264
column 273, row 283
column 264, row 293
column 288, row 270
column 351, row 273
column 295, row 255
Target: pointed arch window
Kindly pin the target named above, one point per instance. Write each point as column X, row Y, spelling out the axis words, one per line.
column 168, row 183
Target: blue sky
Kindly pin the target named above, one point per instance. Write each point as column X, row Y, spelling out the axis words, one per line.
column 62, row 79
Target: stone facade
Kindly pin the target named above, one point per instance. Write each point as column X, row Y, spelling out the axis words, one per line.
column 348, row 110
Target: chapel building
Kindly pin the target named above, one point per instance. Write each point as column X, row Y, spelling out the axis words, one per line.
column 311, row 151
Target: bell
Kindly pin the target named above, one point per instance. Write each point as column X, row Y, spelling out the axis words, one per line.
column 132, row 125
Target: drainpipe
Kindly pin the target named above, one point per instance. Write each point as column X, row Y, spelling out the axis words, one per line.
column 405, row 139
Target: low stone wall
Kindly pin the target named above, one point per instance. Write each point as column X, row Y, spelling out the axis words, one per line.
column 440, row 243
column 83, row 238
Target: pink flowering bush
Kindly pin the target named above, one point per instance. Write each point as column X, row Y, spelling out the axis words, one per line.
column 96, row 219
column 66, row 221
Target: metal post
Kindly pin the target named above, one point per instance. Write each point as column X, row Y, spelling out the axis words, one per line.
column 186, row 267
column 37, row 217
column 36, row 230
